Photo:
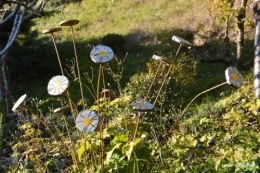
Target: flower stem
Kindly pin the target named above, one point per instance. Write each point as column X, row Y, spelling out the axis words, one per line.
column 75, row 51
column 199, row 95
column 158, row 69
column 47, row 127
column 166, row 76
column 136, row 128
column 56, row 49
column 73, row 147
column 101, row 159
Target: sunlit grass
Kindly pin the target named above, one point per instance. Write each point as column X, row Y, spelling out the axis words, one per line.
column 97, row 18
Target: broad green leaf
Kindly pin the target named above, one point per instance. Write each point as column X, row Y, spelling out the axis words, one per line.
column 81, row 150
column 123, row 138
column 205, row 120
column 120, row 101
column 127, row 149
column 257, row 155
column 221, row 155
column 238, row 155
column 232, row 115
column 137, row 140
column 94, row 107
column 109, row 154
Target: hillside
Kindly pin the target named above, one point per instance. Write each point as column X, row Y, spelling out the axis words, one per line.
column 217, row 133
column 146, row 27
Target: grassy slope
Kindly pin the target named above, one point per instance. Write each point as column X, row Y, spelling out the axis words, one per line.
column 146, row 25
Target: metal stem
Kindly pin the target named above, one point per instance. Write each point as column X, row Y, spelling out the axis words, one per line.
column 52, row 36
column 75, row 51
column 153, row 80
column 166, row 76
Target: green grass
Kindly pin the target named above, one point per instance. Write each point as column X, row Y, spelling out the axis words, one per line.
column 147, row 27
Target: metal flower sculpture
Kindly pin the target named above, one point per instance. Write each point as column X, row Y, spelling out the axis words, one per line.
column 142, row 105
column 87, row 120
column 101, row 54
column 233, row 77
column 19, row 102
column 58, row 85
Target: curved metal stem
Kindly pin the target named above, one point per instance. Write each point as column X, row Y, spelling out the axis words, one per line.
column 199, row 95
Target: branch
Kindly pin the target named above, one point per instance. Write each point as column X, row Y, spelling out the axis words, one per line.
column 37, row 11
column 10, row 15
column 17, row 2
column 14, row 33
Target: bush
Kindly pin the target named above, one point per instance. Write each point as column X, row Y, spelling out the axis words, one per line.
column 115, row 42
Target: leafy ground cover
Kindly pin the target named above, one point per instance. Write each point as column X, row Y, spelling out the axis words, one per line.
column 211, row 136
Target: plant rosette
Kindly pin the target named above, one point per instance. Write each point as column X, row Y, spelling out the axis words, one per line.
column 58, row 85
column 181, row 41
column 101, row 54
column 87, row 121
column 142, row 105
column 163, row 60
column 233, row 77
column 19, row 102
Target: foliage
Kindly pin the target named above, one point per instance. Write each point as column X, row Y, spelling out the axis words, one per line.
column 115, row 41
column 211, row 137
column 210, row 140
column 31, row 61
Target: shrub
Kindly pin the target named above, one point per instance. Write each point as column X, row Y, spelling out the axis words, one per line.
column 114, row 41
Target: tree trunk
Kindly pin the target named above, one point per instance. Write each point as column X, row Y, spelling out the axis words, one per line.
column 240, row 35
column 256, row 10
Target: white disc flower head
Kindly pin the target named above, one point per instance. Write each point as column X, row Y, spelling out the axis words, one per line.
column 61, row 109
column 233, row 77
column 101, row 54
column 181, row 41
column 19, row 102
column 69, row 22
column 163, row 60
column 58, row 85
column 142, row 105
column 87, row 121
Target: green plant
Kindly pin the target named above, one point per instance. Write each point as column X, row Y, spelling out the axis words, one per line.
column 209, row 138
column 114, row 41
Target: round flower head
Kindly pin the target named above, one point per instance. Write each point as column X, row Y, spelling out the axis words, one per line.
column 58, row 85
column 52, row 30
column 142, row 105
column 69, row 22
column 19, row 102
column 163, row 60
column 61, row 109
column 87, row 121
column 233, row 77
column 181, row 41
column 101, row 54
